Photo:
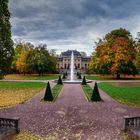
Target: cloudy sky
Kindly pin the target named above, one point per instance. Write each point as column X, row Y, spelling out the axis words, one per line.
column 72, row 24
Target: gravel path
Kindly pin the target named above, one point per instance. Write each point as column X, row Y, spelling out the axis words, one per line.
column 72, row 117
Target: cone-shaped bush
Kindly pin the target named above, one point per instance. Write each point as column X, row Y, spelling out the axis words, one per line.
column 95, row 95
column 59, row 82
column 79, row 76
column 77, row 73
column 84, row 81
column 64, row 76
column 48, row 93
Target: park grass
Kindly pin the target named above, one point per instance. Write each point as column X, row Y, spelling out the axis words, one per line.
column 111, row 77
column 31, row 77
column 129, row 95
column 98, row 77
column 88, row 91
column 13, row 93
column 55, row 92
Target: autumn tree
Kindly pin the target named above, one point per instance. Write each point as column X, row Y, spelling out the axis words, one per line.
column 115, row 54
column 19, row 63
column 138, row 52
column 6, row 43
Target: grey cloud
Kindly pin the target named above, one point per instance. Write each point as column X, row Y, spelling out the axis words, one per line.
column 64, row 23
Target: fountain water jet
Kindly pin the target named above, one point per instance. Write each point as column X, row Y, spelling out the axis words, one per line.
column 72, row 67
column 72, row 80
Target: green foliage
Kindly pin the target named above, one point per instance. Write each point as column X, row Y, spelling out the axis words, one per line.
column 30, row 59
column 84, row 81
column 48, row 93
column 59, row 82
column 6, row 43
column 124, row 94
column 95, row 95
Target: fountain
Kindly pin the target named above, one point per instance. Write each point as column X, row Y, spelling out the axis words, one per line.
column 72, row 80
column 72, row 68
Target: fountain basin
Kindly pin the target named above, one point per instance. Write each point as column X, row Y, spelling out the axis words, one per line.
column 74, row 81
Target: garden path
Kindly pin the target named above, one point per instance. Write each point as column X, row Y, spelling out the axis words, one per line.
column 71, row 116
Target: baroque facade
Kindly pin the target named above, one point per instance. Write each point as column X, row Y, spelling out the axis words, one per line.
column 80, row 62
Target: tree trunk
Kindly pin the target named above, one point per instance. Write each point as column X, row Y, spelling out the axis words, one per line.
column 118, row 76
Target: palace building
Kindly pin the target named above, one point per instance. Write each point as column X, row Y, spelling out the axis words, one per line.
column 81, row 62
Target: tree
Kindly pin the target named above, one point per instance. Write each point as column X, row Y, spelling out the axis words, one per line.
column 84, row 81
column 40, row 61
column 6, row 43
column 48, row 93
column 95, row 95
column 20, row 63
column 138, row 52
column 115, row 54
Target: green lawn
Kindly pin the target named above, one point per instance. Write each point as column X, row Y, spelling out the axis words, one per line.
column 129, row 95
column 56, row 90
column 13, row 93
column 111, row 77
column 96, row 77
column 88, row 91
column 31, row 77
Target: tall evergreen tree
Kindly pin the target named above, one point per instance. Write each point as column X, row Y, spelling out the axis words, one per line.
column 6, row 43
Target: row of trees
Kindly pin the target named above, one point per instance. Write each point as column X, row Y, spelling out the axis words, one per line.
column 117, row 53
column 31, row 59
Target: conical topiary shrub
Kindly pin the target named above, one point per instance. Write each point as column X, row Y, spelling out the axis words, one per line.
column 59, row 82
column 84, row 81
column 64, row 76
column 79, row 76
column 95, row 95
column 48, row 93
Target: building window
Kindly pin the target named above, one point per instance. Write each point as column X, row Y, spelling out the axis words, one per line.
column 78, row 66
column 65, row 66
column 85, row 65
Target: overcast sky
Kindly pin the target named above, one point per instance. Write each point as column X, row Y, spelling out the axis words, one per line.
column 72, row 24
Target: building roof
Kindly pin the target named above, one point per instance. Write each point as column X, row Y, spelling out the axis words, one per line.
column 68, row 53
column 85, row 58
